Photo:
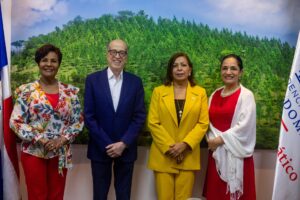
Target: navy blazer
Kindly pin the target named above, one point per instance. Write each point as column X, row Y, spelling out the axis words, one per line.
column 107, row 126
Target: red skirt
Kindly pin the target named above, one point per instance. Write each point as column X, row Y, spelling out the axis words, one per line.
column 215, row 188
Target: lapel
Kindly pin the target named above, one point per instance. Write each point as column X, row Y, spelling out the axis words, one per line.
column 168, row 99
column 62, row 94
column 103, row 79
column 42, row 98
column 190, row 100
column 124, row 90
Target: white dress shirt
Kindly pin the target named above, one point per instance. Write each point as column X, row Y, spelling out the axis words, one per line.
column 115, row 85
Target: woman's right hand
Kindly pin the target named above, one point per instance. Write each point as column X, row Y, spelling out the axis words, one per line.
column 176, row 149
column 214, row 143
column 54, row 144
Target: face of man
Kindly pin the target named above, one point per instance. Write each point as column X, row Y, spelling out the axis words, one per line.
column 116, row 55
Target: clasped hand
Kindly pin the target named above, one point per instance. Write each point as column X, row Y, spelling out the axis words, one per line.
column 115, row 150
column 176, row 151
column 53, row 144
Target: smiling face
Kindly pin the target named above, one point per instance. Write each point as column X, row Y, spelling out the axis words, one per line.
column 230, row 72
column 181, row 69
column 49, row 65
column 117, row 55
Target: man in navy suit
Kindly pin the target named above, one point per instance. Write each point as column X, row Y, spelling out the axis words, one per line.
column 114, row 114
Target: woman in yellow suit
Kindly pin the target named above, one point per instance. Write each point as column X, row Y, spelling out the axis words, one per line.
column 178, row 120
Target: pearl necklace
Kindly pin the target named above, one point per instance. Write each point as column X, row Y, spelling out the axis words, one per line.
column 230, row 92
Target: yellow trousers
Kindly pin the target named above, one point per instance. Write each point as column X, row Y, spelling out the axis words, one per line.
column 174, row 186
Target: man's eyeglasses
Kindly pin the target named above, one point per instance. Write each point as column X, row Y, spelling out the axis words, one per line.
column 114, row 53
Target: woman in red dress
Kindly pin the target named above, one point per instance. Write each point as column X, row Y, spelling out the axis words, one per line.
column 231, row 138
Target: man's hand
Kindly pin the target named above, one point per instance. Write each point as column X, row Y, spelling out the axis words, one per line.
column 115, row 150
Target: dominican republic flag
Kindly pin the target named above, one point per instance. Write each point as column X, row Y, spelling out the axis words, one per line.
column 287, row 174
column 9, row 161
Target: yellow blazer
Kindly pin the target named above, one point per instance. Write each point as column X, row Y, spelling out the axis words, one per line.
column 163, row 124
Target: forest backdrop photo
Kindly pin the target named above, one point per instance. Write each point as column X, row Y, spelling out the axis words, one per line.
column 152, row 39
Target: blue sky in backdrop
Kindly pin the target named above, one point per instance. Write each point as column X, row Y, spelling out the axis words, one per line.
column 264, row 18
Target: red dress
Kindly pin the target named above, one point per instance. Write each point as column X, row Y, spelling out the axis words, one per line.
column 53, row 99
column 220, row 114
